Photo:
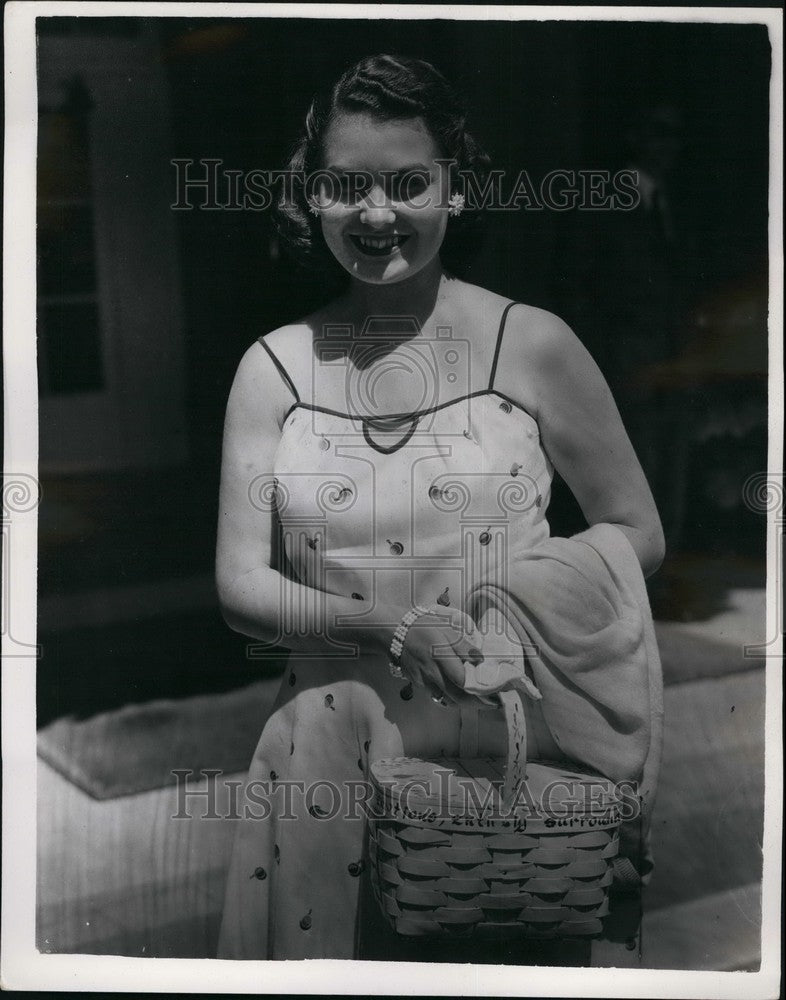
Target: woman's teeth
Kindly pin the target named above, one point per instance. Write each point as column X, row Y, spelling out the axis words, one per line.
column 378, row 245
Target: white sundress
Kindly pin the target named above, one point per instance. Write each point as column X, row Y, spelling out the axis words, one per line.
column 415, row 515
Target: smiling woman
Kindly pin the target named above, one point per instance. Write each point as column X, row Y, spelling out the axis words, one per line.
column 398, row 447
column 370, row 238
column 415, row 106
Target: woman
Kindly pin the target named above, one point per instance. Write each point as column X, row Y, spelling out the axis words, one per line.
column 477, row 391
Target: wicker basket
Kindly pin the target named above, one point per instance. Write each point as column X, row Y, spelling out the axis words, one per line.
column 463, row 847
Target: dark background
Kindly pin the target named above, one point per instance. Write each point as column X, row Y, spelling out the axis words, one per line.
column 542, row 96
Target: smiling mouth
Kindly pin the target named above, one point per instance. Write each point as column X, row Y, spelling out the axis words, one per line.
column 378, row 246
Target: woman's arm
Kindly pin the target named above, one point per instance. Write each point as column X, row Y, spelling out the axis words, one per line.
column 553, row 376
column 253, row 595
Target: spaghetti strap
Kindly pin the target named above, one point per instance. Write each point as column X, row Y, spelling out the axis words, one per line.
column 508, row 307
column 281, row 370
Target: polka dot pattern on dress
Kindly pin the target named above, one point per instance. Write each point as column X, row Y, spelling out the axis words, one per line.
column 430, row 498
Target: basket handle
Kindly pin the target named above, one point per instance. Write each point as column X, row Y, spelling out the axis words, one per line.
column 511, row 702
column 512, row 706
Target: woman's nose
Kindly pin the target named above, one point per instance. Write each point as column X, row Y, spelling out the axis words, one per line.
column 376, row 212
column 376, row 218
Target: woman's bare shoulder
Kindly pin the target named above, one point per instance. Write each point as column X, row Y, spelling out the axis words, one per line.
column 530, row 333
column 290, row 344
column 482, row 303
column 293, row 344
column 478, row 300
column 259, row 390
column 538, row 335
column 291, row 339
column 539, row 353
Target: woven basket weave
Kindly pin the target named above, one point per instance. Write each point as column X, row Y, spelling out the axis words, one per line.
column 476, row 847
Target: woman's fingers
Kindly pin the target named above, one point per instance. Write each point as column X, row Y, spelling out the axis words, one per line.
column 463, row 643
column 434, row 656
column 435, row 673
column 451, row 668
column 425, row 673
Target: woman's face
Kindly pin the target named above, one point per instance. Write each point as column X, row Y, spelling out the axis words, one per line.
column 387, row 223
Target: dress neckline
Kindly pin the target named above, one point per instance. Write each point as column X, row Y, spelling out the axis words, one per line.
column 392, row 418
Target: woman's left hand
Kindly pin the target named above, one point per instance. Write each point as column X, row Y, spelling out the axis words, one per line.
column 503, row 665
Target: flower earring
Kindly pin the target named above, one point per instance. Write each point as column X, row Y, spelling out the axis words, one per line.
column 455, row 204
column 313, row 208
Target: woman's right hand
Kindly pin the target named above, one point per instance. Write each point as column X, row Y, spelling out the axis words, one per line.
column 435, row 649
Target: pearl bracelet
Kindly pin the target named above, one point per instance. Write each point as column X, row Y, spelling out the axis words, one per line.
column 397, row 644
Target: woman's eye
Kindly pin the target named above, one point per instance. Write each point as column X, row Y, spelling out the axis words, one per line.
column 348, row 190
column 405, row 187
column 401, row 187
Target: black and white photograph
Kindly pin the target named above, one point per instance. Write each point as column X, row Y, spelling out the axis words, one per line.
column 392, row 505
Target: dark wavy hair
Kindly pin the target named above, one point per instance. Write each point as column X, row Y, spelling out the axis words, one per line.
column 389, row 88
